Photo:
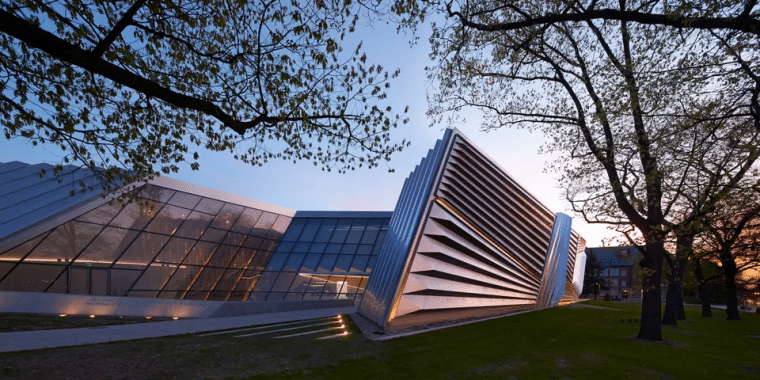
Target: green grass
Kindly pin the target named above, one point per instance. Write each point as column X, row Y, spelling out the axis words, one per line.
column 562, row 342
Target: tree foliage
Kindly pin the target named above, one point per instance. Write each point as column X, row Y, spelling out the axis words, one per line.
column 140, row 85
column 655, row 124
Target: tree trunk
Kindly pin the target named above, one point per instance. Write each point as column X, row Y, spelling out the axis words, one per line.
column 704, row 297
column 674, row 309
column 729, row 268
column 681, row 304
column 650, row 327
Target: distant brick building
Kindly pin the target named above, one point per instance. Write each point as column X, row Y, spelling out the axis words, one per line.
column 618, row 265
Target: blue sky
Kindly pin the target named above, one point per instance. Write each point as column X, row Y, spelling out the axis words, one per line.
column 302, row 186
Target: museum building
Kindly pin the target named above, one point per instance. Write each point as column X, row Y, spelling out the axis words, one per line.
column 465, row 240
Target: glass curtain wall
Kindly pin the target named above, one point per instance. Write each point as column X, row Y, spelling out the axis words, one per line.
column 167, row 244
column 322, row 258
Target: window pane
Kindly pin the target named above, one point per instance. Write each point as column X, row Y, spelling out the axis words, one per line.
column 310, row 230
column 237, row 296
column 359, row 263
column 316, row 286
column 188, row 201
column 334, row 284
column 264, row 224
column 175, row 251
column 370, row 234
column 64, row 243
column 228, row 281
column 276, row 297
column 348, row 249
column 285, row 247
column 379, row 243
column 200, row 253
column 364, row 249
column 317, row 248
column 310, row 264
column 122, row 280
column 357, row 229
column 223, row 256
column 208, row 278
column 327, row 263
column 325, row 231
column 170, row 294
column 60, row 285
column 213, row 235
column 5, row 268
column 371, row 263
column 17, row 253
column 234, row 238
column 253, row 242
column 333, row 248
column 142, row 251
column 31, row 277
column 80, row 280
column 168, row 220
column 343, row 263
column 294, row 296
column 197, row 295
column 294, row 230
column 217, row 295
column 279, row 227
column 227, row 216
column 155, row 277
column 268, row 245
column 99, row 277
column 283, row 282
column 300, row 283
column 194, row 225
column 301, row 247
column 242, row 258
column 248, row 280
column 277, row 261
column 137, row 214
column 209, row 206
column 341, row 230
column 294, row 262
column 352, row 284
column 103, row 214
column 265, row 281
column 260, row 260
column 156, row 193
column 107, row 246
column 183, row 277
column 246, row 221
column 257, row 296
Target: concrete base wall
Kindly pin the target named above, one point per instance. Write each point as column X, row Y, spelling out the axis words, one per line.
column 72, row 304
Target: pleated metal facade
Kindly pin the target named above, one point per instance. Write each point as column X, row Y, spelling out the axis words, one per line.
column 471, row 243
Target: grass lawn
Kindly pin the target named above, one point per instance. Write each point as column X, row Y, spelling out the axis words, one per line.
column 562, row 342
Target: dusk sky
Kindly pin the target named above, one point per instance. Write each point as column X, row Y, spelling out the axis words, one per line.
column 302, row 186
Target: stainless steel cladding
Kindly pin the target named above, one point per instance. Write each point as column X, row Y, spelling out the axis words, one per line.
column 471, row 243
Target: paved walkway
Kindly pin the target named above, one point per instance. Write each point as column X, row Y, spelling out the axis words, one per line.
column 33, row 340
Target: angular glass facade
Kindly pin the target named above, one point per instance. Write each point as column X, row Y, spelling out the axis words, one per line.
column 166, row 244
column 324, row 257
column 465, row 241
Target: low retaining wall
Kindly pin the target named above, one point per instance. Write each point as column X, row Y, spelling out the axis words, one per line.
column 73, row 304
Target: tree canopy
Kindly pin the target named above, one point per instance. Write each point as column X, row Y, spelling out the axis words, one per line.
column 140, row 85
column 655, row 123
